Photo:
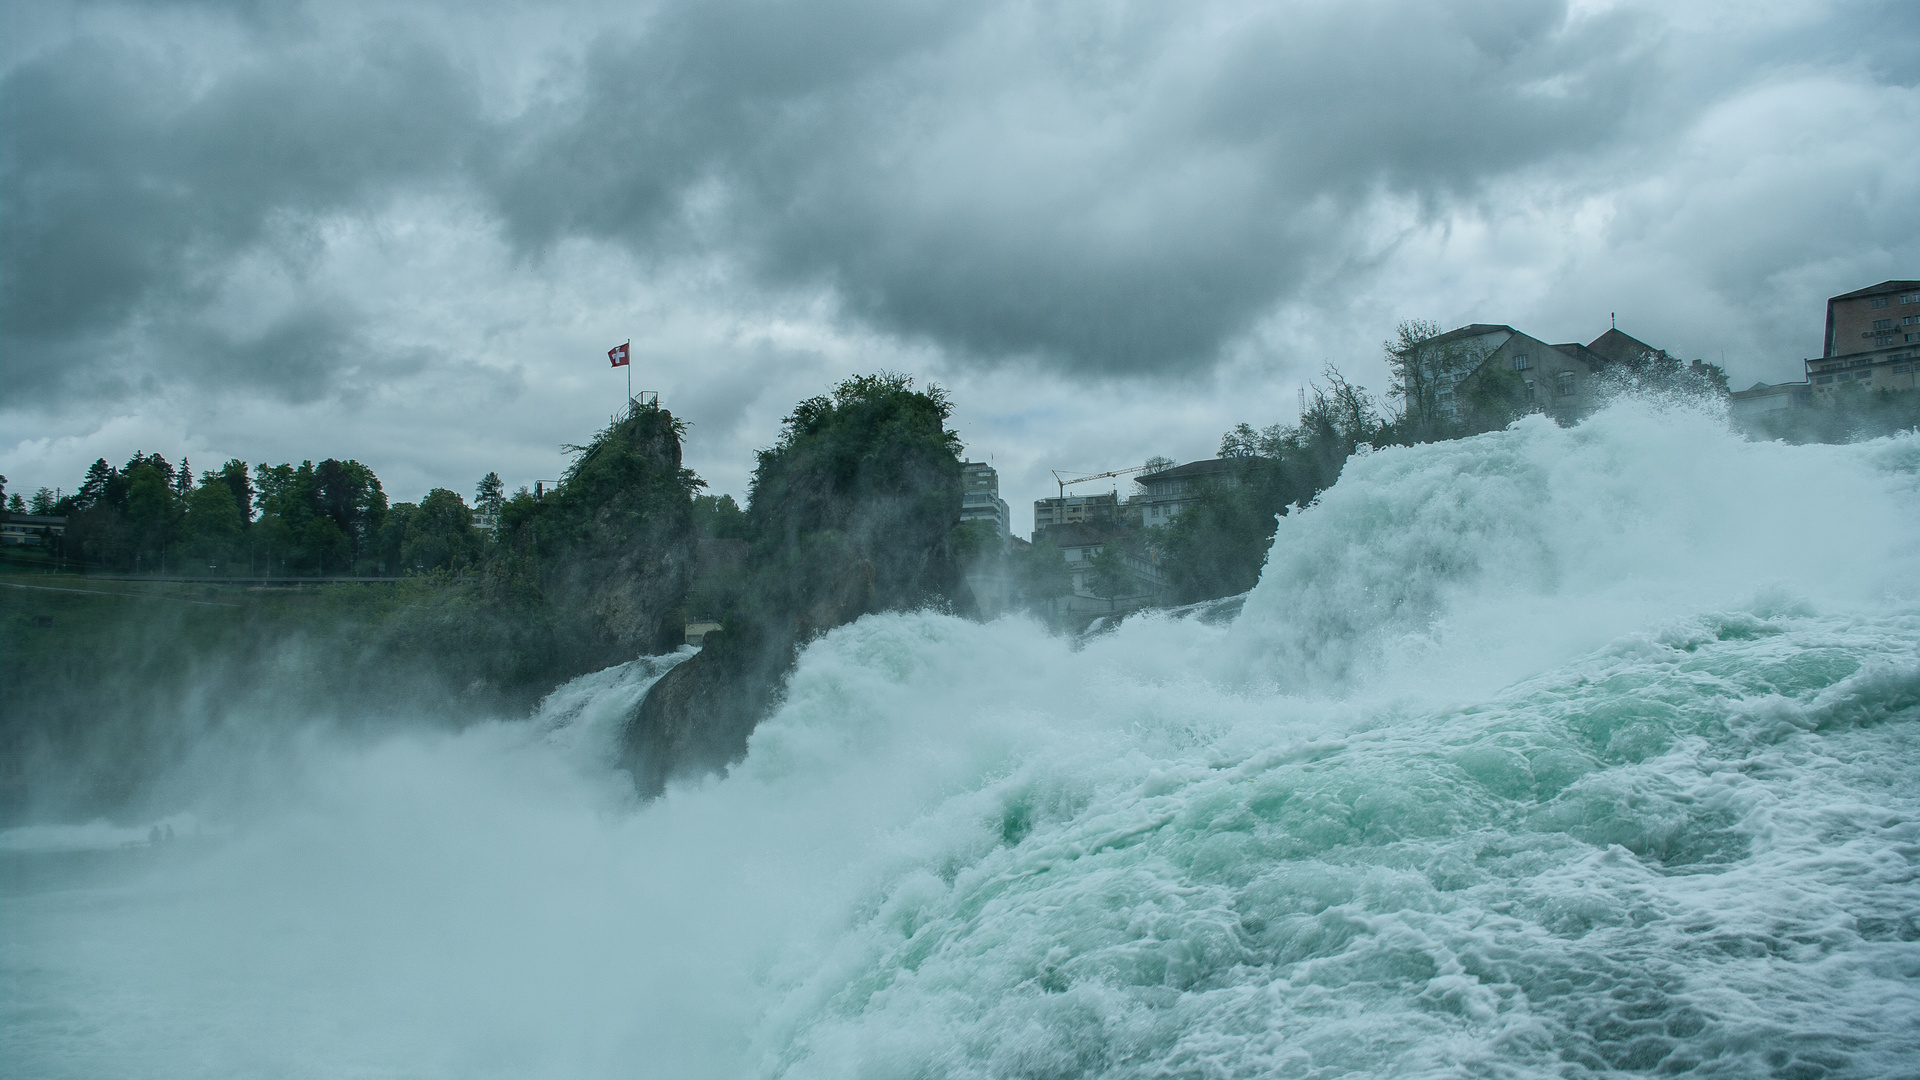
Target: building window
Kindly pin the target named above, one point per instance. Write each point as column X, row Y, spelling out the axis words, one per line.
column 1883, row 301
column 1888, row 340
column 1882, row 324
column 1529, row 391
column 1910, row 298
column 1824, row 380
column 1845, row 376
column 1902, row 369
column 1565, row 384
column 1910, row 320
column 1522, row 362
column 1913, row 337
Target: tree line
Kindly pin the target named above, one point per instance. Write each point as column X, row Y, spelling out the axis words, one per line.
column 305, row 520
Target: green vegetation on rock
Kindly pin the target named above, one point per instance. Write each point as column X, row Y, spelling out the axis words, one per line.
column 852, row 511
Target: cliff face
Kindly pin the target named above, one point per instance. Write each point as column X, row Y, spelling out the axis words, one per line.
column 603, row 562
column 851, row 514
column 627, row 539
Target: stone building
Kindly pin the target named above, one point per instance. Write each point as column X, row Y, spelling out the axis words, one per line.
column 1554, row 379
column 1561, row 380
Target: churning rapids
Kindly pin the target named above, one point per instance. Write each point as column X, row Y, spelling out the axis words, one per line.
column 1546, row 753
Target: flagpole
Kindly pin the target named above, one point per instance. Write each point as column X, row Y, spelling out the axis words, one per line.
column 629, row 367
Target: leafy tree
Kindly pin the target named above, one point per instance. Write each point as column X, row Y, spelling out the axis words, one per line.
column 489, row 495
column 285, row 510
column 234, row 475
column 97, row 529
column 16, row 504
column 869, row 474
column 152, row 508
column 1419, row 371
column 349, row 496
column 44, row 501
column 440, row 534
column 152, row 461
column 94, row 487
column 213, row 526
column 718, row 517
column 317, row 518
column 393, row 538
column 1109, row 576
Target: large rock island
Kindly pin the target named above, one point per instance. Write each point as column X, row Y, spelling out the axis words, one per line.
column 851, row 512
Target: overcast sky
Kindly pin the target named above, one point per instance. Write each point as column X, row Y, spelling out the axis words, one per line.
column 407, row 232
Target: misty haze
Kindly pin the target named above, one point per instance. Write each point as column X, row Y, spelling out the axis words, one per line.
column 834, row 539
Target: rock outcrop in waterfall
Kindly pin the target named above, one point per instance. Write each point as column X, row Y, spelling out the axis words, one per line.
column 851, row 512
column 606, row 557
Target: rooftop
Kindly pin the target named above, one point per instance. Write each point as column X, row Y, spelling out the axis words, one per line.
column 1471, row 330
column 1616, row 346
column 1875, row 290
column 1192, row 469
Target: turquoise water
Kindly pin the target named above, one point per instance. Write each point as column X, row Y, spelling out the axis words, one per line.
column 1552, row 753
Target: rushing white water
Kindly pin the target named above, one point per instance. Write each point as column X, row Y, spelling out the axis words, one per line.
column 1546, row 753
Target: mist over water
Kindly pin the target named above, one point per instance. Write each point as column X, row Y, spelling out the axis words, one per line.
column 1552, row 752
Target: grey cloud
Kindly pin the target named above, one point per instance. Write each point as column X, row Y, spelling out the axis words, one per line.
column 1099, row 188
column 1182, row 183
column 130, row 189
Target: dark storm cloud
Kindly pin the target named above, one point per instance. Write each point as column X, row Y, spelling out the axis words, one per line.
column 133, row 181
column 1111, row 188
column 1101, row 193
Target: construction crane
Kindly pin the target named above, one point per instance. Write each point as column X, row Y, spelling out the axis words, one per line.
column 1063, row 482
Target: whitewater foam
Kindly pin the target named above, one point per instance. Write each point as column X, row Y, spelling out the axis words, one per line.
column 1555, row 752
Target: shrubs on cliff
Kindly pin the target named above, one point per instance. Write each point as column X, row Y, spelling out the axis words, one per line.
column 868, row 476
column 604, row 559
column 850, row 513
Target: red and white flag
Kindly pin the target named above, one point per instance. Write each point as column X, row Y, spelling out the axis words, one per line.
column 618, row 354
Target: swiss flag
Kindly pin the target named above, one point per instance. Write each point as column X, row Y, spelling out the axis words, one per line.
column 618, row 354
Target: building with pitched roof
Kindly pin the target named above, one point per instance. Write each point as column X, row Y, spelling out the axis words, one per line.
column 1560, row 380
column 1554, row 379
